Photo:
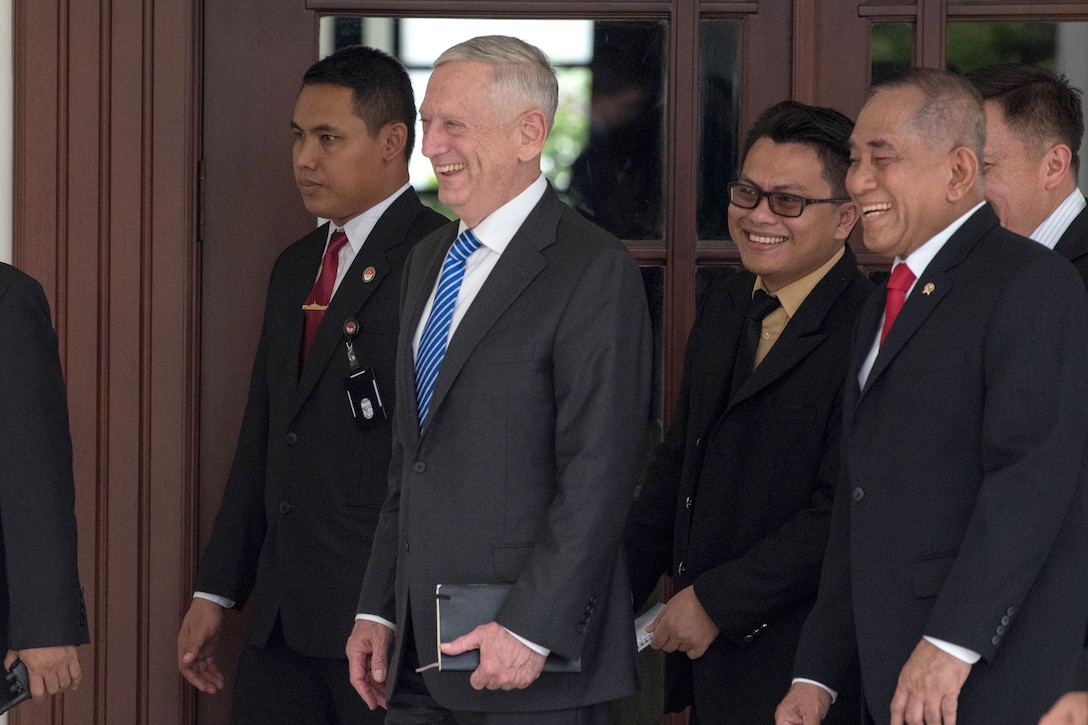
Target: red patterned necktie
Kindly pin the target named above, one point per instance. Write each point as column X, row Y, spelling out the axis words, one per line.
column 318, row 299
column 898, row 284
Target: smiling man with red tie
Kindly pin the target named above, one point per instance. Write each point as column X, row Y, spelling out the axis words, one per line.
column 957, row 565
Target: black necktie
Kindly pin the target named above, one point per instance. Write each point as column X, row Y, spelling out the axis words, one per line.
column 762, row 304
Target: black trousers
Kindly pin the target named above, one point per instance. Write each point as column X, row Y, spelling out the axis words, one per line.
column 277, row 686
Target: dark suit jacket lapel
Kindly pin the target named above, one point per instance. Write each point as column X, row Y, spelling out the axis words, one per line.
column 720, row 362
column 354, row 290
column 864, row 334
column 804, row 332
column 929, row 290
column 519, row 264
column 1074, row 242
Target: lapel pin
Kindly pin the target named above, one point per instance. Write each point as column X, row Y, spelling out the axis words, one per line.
column 368, row 274
column 928, row 289
column 351, row 328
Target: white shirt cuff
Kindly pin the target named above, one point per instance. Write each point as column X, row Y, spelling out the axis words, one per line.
column 822, row 686
column 531, row 645
column 221, row 601
column 376, row 618
column 961, row 653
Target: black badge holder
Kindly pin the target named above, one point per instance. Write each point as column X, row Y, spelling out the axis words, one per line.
column 16, row 686
column 362, row 387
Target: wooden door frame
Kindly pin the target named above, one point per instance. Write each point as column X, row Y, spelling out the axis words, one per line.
column 109, row 98
column 106, row 135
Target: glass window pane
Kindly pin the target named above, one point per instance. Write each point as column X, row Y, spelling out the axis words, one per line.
column 605, row 154
column 719, row 111
column 654, row 280
column 892, row 49
column 970, row 44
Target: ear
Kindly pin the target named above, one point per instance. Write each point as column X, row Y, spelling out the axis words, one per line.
column 393, row 136
column 1055, row 165
column 848, row 217
column 532, row 133
column 963, row 177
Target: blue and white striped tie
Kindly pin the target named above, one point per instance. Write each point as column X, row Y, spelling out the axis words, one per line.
column 436, row 333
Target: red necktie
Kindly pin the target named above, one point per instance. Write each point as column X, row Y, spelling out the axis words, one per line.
column 898, row 284
column 318, row 299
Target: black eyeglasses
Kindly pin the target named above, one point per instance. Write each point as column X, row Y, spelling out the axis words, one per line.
column 747, row 196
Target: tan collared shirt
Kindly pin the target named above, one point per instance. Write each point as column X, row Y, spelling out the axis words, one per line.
column 791, row 296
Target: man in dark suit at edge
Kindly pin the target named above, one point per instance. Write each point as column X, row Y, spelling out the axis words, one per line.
column 516, row 462
column 309, row 475
column 957, row 563
column 1034, row 126
column 736, row 502
column 42, row 618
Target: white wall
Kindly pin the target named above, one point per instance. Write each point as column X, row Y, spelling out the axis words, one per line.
column 7, row 83
column 7, row 101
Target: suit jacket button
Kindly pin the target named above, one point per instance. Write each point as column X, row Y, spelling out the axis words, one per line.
column 292, row 439
column 285, row 507
column 698, row 442
column 859, row 493
column 1005, row 620
column 687, row 502
column 681, row 568
column 419, row 467
column 995, row 640
column 1010, row 611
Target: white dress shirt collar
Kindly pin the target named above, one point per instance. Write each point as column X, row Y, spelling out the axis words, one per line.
column 917, row 261
column 1053, row 227
column 359, row 227
column 499, row 227
column 920, row 258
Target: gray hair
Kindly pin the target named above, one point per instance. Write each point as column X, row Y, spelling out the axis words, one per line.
column 951, row 107
column 519, row 68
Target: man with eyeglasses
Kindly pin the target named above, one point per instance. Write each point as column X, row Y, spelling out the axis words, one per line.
column 736, row 502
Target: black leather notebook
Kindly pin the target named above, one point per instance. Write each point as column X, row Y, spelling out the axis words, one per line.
column 464, row 607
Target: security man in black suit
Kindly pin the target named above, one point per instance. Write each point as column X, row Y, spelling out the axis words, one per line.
column 309, row 475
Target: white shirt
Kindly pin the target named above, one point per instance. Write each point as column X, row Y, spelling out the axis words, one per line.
column 358, row 228
column 1053, row 227
column 494, row 233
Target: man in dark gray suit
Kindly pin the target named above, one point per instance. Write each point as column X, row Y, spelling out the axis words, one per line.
column 515, row 462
